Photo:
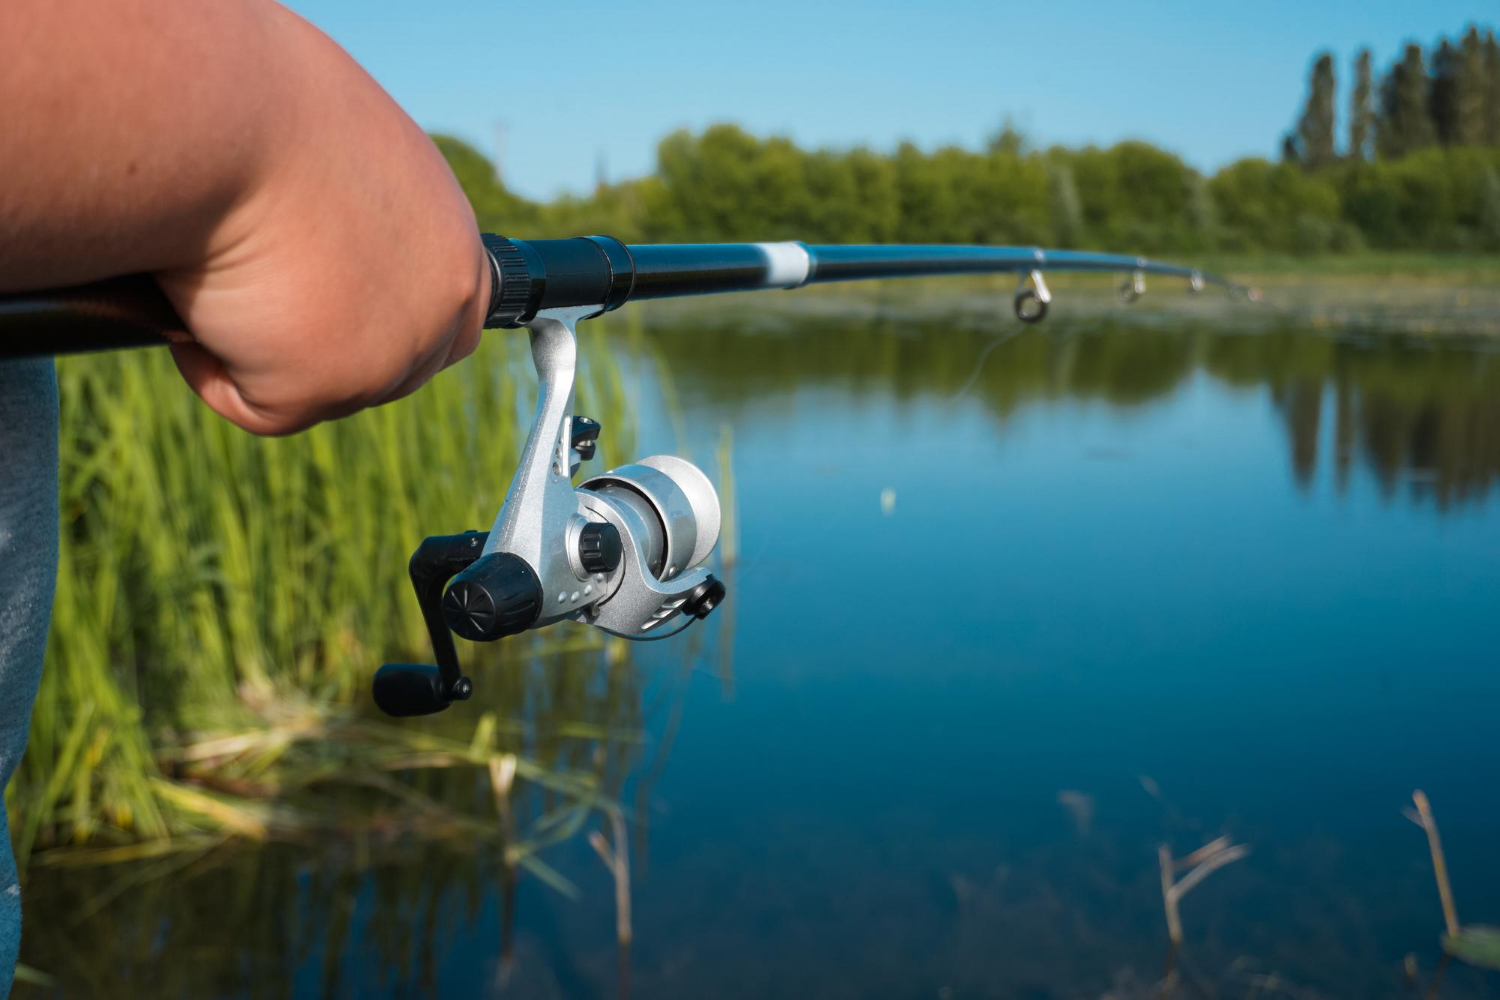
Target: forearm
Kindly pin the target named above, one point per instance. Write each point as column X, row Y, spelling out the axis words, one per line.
column 307, row 231
column 136, row 130
column 132, row 129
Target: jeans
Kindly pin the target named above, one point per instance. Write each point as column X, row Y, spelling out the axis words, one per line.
column 28, row 573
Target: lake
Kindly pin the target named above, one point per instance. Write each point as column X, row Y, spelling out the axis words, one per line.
column 1011, row 607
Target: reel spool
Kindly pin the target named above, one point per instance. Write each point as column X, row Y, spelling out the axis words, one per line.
column 622, row 552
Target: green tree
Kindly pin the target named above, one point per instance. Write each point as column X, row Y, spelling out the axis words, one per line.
column 1275, row 206
column 1132, row 193
column 1471, row 86
column 1491, row 89
column 875, row 188
column 726, row 184
column 852, row 197
column 1361, row 113
column 1314, row 139
column 1405, row 122
column 1011, row 203
column 497, row 209
column 1443, row 93
column 926, row 196
column 1010, row 140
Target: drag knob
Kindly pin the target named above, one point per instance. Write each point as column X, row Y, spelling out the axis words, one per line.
column 498, row 595
column 599, row 547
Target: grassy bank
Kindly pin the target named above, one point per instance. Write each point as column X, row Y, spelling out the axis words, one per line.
column 1422, row 294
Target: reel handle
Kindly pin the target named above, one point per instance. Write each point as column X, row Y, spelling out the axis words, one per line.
column 404, row 689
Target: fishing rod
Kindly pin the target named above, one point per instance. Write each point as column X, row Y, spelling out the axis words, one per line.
column 622, row 551
column 536, row 275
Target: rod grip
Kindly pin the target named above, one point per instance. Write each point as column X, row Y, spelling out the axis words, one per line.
column 118, row 312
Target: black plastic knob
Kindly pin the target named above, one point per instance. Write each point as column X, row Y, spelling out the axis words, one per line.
column 498, row 595
column 704, row 598
column 599, row 547
column 407, row 689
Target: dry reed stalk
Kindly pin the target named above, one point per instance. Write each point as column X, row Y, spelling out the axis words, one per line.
column 1198, row 865
column 1439, row 863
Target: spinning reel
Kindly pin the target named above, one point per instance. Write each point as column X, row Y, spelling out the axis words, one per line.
column 621, row 551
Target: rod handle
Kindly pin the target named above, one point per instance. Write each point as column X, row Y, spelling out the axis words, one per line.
column 118, row 312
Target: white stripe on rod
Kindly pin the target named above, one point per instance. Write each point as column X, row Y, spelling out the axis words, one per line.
column 787, row 264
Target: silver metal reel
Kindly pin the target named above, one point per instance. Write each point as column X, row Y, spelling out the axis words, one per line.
column 663, row 509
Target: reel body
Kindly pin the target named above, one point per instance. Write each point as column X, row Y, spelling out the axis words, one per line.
column 622, row 551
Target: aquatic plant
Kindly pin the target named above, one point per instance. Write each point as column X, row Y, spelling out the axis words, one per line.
column 1476, row 944
column 614, row 851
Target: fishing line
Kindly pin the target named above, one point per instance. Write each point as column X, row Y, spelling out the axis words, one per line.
column 979, row 363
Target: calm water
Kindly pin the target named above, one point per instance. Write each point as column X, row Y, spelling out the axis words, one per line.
column 1010, row 610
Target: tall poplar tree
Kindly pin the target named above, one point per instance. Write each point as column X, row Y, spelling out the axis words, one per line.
column 1491, row 89
column 1405, row 123
column 1442, row 93
column 1471, row 97
column 1361, row 113
column 1314, row 140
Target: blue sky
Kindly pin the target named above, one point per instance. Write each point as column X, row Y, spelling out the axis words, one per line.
column 575, row 82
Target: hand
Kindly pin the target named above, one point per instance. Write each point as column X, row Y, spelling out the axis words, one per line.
column 351, row 270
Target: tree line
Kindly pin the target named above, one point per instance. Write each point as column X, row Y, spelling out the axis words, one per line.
column 1453, row 100
column 1420, row 170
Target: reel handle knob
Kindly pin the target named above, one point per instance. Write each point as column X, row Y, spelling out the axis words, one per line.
column 405, row 689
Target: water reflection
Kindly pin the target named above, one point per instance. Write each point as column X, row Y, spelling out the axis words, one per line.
column 393, row 883
column 1419, row 412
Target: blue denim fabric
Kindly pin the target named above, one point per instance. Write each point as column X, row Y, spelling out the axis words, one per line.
column 28, row 573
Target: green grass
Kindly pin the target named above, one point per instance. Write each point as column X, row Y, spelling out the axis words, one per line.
column 215, row 584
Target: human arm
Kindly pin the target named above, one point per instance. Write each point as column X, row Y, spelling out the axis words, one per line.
column 307, row 231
